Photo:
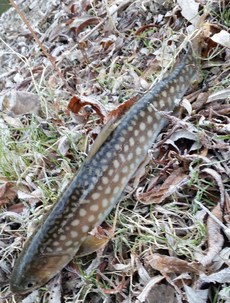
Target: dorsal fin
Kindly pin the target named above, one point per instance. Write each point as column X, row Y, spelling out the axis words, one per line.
column 113, row 121
column 109, row 127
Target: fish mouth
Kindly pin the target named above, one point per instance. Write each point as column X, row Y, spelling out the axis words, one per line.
column 17, row 288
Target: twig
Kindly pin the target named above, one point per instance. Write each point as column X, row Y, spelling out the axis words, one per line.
column 49, row 57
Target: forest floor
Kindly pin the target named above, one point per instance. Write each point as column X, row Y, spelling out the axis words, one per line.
column 167, row 240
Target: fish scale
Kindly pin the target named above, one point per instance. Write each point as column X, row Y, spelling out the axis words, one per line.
column 99, row 183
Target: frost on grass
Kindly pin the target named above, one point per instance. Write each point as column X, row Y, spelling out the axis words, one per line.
column 175, row 213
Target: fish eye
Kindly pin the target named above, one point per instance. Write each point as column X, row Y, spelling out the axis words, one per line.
column 30, row 284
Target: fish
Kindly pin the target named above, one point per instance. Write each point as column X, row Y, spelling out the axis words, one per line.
column 98, row 185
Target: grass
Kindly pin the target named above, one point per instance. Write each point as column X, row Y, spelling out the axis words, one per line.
column 4, row 6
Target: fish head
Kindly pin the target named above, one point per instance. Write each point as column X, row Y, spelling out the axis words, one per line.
column 28, row 276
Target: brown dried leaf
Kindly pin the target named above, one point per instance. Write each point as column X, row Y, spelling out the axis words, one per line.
column 78, row 24
column 79, row 6
column 108, row 41
column 145, row 27
column 20, row 103
column 115, row 289
column 17, row 208
column 166, row 264
column 215, row 237
column 200, row 101
column 158, row 194
column 227, row 209
column 7, row 193
column 76, row 104
column 118, row 112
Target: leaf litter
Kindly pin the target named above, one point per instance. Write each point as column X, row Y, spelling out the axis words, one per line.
column 168, row 238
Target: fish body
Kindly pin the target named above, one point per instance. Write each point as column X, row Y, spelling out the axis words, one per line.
column 99, row 183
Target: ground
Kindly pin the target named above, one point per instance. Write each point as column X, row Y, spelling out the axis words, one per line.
column 167, row 240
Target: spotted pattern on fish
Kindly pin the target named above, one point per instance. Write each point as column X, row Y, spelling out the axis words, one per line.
column 99, row 183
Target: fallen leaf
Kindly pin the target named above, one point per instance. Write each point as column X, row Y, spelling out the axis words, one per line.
column 12, row 121
column 147, row 290
column 215, row 237
column 222, row 258
column 220, row 95
column 108, row 41
column 63, row 145
column 20, row 103
column 222, row 38
column 166, row 264
column 17, row 208
column 183, row 134
column 187, row 105
column 115, row 289
column 118, row 112
column 7, row 193
column 162, row 293
column 227, row 209
column 158, row 194
column 34, row 196
column 76, row 104
column 196, row 295
column 222, row 276
column 78, row 24
column 145, row 27
column 189, row 9
column 142, row 272
column 123, row 267
column 200, row 101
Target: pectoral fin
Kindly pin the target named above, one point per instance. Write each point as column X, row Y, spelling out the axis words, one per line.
column 93, row 243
